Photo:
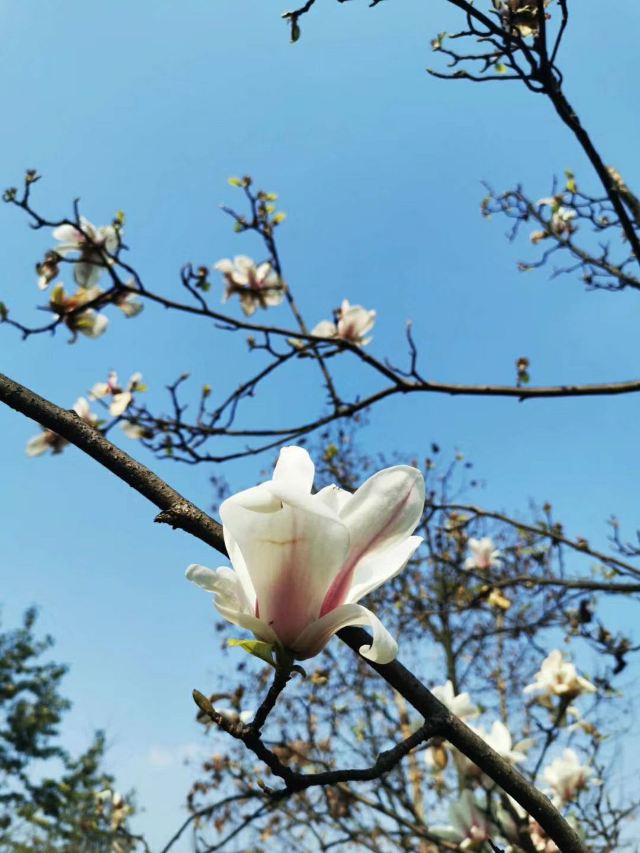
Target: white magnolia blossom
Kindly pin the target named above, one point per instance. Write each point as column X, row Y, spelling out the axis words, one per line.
column 566, row 777
column 235, row 716
column 561, row 222
column 558, row 677
column 121, row 398
column 128, row 303
column 484, row 554
column 469, row 826
column 89, row 241
column 460, row 705
column 133, row 430
column 302, row 561
column 256, row 285
column 540, row 840
column 499, row 739
column 353, row 324
column 49, row 440
column 88, row 322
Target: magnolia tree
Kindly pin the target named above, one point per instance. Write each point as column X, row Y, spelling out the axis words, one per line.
column 491, row 734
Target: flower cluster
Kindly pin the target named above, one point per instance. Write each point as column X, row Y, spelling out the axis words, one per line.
column 257, row 286
column 484, row 554
column 352, row 324
column 92, row 249
column 302, row 561
column 561, row 223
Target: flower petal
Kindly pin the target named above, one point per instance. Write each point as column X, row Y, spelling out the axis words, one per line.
column 314, row 638
column 229, row 599
column 291, row 556
column 295, row 469
column 384, row 511
column 374, row 569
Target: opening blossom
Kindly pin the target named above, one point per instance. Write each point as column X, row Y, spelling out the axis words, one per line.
column 353, row 323
column 561, row 222
column 88, row 240
column 460, row 705
column 302, row 561
column 255, row 285
column 484, row 554
column 49, row 440
column 558, row 677
column 121, row 398
column 89, row 322
column 566, row 777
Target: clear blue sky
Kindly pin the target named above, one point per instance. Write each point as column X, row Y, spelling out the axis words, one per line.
column 149, row 107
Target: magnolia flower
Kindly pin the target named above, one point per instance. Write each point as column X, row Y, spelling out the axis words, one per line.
column 353, row 323
column 540, row 840
column 469, row 826
column 255, row 285
column 235, row 716
column 133, row 430
column 121, row 398
column 91, row 242
column 566, row 777
column 88, row 322
column 49, row 440
column 128, row 303
column 499, row 739
column 302, row 561
column 557, row 677
column 484, row 554
column 561, row 222
column 460, row 705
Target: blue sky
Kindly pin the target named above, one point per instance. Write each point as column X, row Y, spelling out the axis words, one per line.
column 149, row 107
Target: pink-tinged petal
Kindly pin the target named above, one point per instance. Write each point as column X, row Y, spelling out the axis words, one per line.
column 240, row 568
column 295, row 468
column 314, row 638
column 68, row 234
column 385, row 510
column 291, row 556
column 374, row 569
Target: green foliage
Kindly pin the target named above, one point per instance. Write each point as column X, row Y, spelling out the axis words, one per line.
column 48, row 799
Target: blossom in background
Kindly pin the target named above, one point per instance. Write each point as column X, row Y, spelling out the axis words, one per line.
column 49, row 440
column 500, row 740
column 469, row 826
column 353, row 322
column 134, row 430
column 558, row 677
column 121, row 398
column 540, row 840
column 47, row 270
column 90, row 242
column 460, row 705
column 88, row 322
column 561, row 222
column 566, row 777
column 302, row 561
column 255, row 285
column 129, row 303
column 484, row 554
